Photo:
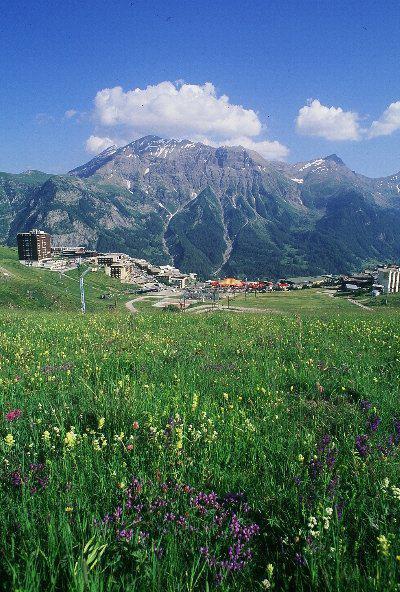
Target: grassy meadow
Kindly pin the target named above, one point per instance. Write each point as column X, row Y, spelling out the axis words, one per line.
column 309, row 301
column 191, row 452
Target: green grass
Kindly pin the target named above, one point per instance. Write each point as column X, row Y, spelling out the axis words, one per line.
column 312, row 301
column 268, row 406
column 391, row 301
column 30, row 288
column 126, row 423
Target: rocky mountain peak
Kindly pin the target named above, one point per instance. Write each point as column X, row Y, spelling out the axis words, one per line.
column 334, row 158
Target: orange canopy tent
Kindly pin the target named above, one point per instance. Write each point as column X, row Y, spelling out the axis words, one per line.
column 231, row 283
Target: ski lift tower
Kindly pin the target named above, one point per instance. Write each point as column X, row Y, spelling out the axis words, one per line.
column 82, row 289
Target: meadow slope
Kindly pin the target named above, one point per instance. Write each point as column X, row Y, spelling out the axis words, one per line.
column 184, row 452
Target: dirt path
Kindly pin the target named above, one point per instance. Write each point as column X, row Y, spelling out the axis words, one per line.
column 240, row 309
column 331, row 294
column 162, row 299
column 360, row 305
column 130, row 307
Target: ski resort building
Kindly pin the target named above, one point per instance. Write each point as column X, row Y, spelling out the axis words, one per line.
column 33, row 246
column 389, row 279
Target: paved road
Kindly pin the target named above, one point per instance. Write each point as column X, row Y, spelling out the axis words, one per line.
column 163, row 299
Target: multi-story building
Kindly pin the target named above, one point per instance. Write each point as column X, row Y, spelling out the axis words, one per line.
column 33, row 246
column 389, row 279
column 121, row 271
column 108, row 259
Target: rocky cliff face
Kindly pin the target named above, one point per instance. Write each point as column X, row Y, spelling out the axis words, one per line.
column 212, row 210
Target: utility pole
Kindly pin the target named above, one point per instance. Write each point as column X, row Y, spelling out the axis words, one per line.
column 82, row 289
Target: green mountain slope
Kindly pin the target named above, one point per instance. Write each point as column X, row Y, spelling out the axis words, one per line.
column 214, row 211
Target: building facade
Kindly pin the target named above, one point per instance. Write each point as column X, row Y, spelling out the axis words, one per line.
column 389, row 279
column 33, row 246
column 121, row 271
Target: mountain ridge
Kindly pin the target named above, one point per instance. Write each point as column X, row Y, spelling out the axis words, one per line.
column 214, row 210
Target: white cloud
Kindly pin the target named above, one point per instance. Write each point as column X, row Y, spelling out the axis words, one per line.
column 179, row 110
column 269, row 150
column 388, row 122
column 96, row 144
column 70, row 113
column 331, row 123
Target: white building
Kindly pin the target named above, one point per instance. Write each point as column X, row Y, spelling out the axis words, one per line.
column 389, row 279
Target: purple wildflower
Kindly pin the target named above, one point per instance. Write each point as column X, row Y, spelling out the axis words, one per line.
column 362, row 445
column 365, row 405
column 373, row 422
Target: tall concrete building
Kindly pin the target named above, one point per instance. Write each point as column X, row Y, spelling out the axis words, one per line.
column 33, row 246
column 389, row 278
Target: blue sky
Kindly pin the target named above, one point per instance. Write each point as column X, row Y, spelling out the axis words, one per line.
column 271, row 58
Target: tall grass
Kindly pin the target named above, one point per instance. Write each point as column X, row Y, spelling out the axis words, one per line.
column 169, row 452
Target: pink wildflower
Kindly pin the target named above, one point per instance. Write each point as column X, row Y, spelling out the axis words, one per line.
column 13, row 414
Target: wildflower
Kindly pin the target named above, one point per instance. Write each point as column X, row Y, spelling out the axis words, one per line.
column 129, row 447
column 96, row 445
column 101, row 423
column 195, row 402
column 266, row 584
column 135, row 425
column 299, row 559
column 270, row 569
column 13, row 414
column 396, row 492
column 119, row 437
column 46, row 436
column 365, row 405
column 301, row 458
column 9, row 440
column 362, row 445
column 373, row 422
column 383, row 545
column 312, row 521
column 70, row 439
column 69, row 509
column 179, row 443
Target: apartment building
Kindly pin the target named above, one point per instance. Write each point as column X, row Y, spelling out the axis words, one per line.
column 33, row 246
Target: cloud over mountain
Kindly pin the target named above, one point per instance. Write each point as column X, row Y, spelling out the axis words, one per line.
column 388, row 122
column 96, row 144
column 331, row 123
column 177, row 110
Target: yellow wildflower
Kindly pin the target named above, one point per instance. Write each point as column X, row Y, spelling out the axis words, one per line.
column 70, row 439
column 179, row 443
column 9, row 440
column 383, row 545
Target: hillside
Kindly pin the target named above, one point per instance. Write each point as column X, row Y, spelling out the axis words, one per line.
column 27, row 288
column 199, row 452
column 214, row 211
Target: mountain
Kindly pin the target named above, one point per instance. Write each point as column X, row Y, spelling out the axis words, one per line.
column 215, row 211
